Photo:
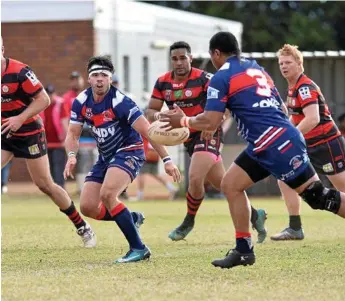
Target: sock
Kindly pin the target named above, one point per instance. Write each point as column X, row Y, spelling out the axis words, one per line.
column 244, row 242
column 105, row 215
column 254, row 216
column 193, row 204
column 140, row 194
column 170, row 186
column 124, row 220
column 74, row 216
column 295, row 222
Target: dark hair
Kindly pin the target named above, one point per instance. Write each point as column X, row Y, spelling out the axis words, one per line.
column 102, row 60
column 225, row 42
column 180, row 44
column 341, row 118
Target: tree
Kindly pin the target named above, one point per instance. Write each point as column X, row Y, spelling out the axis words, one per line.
column 269, row 24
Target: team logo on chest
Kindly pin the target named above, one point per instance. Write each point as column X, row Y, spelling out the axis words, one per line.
column 107, row 116
column 88, row 113
column 167, row 95
column 188, row 93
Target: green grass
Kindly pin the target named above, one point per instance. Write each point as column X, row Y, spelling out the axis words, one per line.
column 42, row 258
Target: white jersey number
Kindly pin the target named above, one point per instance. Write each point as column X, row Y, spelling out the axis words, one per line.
column 264, row 88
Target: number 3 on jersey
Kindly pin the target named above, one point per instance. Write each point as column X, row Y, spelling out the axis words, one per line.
column 264, row 88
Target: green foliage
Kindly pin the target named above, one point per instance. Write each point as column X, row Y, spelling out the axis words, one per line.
column 270, row 24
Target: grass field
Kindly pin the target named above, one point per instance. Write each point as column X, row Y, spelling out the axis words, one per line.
column 42, row 258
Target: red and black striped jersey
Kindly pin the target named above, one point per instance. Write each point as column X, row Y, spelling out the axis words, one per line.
column 19, row 85
column 190, row 95
column 305, row 93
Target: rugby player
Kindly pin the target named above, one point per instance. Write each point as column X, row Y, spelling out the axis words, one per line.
column 116, row 123
column 186, row 87
column 275, row 146
column 23, row 136
column 325, row 145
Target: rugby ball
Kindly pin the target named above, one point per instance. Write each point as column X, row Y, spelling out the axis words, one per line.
column 164, row 137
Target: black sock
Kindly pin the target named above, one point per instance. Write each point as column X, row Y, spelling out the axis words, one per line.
column 74, row 216
column 295, row 222
column 254, row 216
column 244, row 245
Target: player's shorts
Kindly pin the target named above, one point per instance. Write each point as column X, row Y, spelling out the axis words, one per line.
column 130, row 162
column 195, row 144
column 292, row 166
column 28, row 147
column 150, row 168
column 328, row 158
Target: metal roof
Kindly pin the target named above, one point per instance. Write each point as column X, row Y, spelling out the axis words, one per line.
column 321, row 54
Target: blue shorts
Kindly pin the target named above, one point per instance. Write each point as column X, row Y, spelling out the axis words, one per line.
column 286, row 160
column 130, row 162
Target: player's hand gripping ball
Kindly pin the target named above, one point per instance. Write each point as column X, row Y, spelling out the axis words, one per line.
column 164, row 137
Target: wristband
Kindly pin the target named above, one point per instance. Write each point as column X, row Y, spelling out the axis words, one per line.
column 185, row 121
column 71, row 154
column 166, row 159
column 156, row 116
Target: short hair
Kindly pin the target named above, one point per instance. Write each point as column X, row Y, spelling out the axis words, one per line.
column 102, row 60
column 225, row 42
column 179, row 45
column 292, row 50
column 341, row 118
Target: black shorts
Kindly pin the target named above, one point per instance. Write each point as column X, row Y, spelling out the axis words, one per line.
column 195, row 144
column 28, row 147
column 328, row 158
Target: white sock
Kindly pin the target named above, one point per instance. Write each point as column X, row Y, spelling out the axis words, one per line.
column 170, row 186
column 140, row 194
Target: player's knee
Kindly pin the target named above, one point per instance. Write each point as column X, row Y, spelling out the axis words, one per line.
column 88, row 210
column 317, row 196
column 106, row 195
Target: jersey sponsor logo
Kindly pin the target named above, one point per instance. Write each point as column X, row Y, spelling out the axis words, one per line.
column 304, row 92
column 5, row 88
column 3, row 99
column 267, row 103
column 130, row 162
column 182, row 104
column 286, row 176
column 32, row 77
column 328, row 167
column 199, row 146
column 212, row 93
column 178, row 93
column 176, row 86
column 188, row 93
column 34, row 149
column 103, row 133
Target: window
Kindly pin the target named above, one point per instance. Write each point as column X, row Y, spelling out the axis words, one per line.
column 126, row 86
column 145, row 74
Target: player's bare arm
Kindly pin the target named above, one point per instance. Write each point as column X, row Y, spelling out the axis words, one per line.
column 141, row 125
column 208, row 120
column 311, row 119
column 153, row 111
column 39, row 103
column 72, row 146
